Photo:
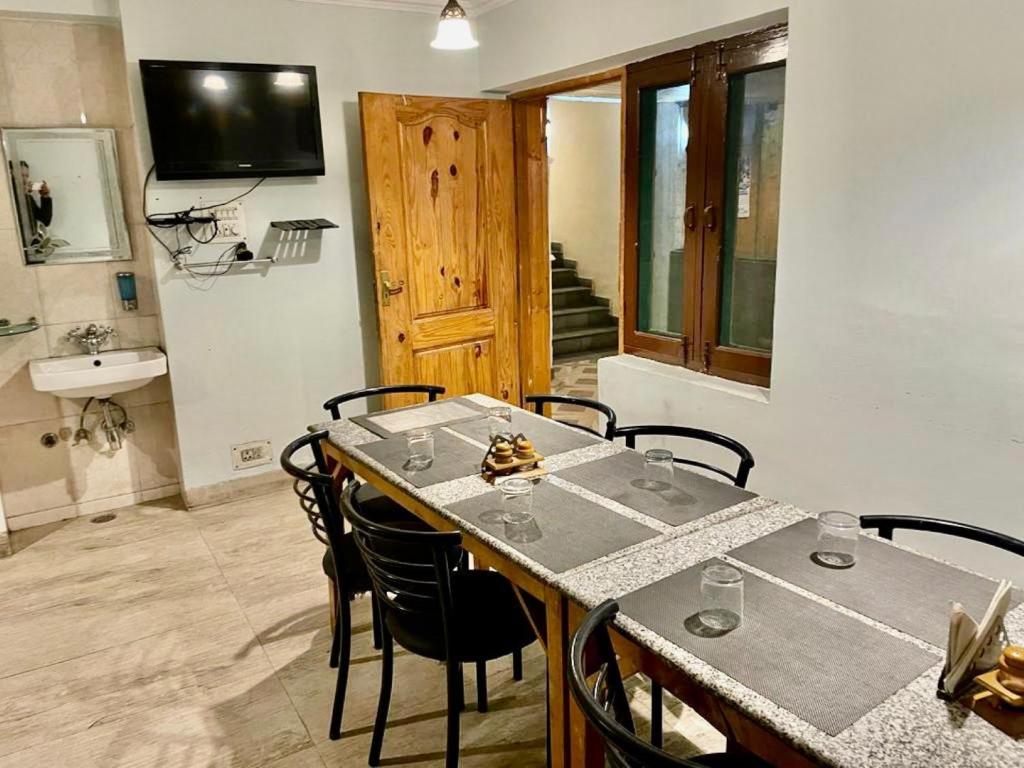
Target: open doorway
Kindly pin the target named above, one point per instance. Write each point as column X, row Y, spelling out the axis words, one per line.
column 584, row 149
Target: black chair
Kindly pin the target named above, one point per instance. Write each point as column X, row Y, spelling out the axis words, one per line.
column 886, row 524
column 539, row 401
column 342, row 564
column 430, row 390
column 738, row 479
column 434, row 609
column 606, row 706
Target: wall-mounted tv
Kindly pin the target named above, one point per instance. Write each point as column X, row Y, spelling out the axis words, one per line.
column 224, row 121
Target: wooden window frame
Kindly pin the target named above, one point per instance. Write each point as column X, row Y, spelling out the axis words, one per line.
column 706, row 68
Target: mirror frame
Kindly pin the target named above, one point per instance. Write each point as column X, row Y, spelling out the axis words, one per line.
column 111, row 180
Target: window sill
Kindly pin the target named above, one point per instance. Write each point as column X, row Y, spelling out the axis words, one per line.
column 685, row 375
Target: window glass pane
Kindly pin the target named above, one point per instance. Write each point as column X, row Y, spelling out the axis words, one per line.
column 752, row 173
column 664, row 134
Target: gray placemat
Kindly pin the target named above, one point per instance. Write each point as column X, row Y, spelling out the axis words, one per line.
column 825, row 667
column 901, row 589
column 548, row 437
column 425, row 415
column 573, row 530
column 691, row 496
column 453, row 458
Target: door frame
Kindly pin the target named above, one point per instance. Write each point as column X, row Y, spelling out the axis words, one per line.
column 529, row 116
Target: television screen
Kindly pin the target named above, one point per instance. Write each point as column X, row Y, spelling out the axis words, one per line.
column 221, row 121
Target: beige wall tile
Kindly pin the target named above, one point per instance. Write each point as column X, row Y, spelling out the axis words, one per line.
column 42, row 72
column 142, row 266
column 153, row 447
column 99, row 53
column 19, row 298
column 59, row 345
column 71, row 293
column 141, row 331
column 33, row 477
column 8, row 217
column 19, row 401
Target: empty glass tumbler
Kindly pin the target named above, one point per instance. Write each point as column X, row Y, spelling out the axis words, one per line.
column 838, row 533
column 721, row 597
column 499, row 420
column 517, row 509
column 658, row 469
column 421, row 449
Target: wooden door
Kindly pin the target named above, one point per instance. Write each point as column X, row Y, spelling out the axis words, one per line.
column 440, row 175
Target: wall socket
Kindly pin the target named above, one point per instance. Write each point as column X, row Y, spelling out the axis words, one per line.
column 254, row 454
column 230, row 223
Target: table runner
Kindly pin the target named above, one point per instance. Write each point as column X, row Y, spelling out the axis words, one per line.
column 453, row 458
column 691, row 497
column 425, row 415
column 824, row 666
column 574, row 530
column 901, row 589
column 548, row 437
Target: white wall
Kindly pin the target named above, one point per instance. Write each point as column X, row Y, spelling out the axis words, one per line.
column 256, row 354
column 88, row 8
column 899, row 331
column 583, row 189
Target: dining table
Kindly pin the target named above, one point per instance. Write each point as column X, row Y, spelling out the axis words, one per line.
column 829, row 667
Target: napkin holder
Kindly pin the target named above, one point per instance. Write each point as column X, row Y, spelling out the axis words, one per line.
column 511, row 455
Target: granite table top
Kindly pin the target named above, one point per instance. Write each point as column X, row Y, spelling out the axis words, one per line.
column 911, row 728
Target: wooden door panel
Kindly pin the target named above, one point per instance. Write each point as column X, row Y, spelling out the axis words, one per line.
column 445, row 161
column 471, row 367
column 440, row 178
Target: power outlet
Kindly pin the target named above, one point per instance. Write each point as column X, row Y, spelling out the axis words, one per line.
column 254, row 454
column 230, row 223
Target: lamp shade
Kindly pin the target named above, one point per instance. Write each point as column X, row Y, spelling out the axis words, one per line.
column 453, row 30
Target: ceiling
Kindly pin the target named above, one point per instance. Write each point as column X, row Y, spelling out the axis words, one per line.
column 473, row 7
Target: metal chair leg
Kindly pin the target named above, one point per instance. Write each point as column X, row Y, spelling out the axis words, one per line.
column 335, row 621
column 455, row 705
column 343, row 633
column 376, row 620
column 481, row 686
column 517, row 664
column 384, row 702
column 657, row 714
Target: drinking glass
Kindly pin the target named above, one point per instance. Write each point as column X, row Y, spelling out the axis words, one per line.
column 838, row 533
column 421, row 449
column 721, row 597
column 499, row 420
column 517, row 509
column 658, row 472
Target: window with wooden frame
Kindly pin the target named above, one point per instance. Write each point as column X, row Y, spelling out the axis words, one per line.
column 702, row 173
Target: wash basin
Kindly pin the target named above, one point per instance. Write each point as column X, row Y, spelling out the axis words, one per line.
column 102, row 375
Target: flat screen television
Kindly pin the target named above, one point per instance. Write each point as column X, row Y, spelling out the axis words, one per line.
column 225, row 121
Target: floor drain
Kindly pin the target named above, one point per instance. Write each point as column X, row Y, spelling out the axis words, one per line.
column 104, row 518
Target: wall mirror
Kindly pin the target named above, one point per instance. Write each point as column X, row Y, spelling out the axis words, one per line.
column 67, row 196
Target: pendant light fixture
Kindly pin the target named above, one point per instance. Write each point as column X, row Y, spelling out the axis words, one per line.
column 453, row 30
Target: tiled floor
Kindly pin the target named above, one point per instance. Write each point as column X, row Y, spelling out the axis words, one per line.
column 576, row 377
column 174, row 639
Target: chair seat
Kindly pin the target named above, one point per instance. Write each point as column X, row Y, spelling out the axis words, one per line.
column 489, row 621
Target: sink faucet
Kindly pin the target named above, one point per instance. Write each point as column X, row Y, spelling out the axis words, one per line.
column 92, row 338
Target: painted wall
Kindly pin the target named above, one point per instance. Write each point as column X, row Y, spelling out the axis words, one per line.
column 54, row 73
column 254, row 354
column 899, row 331
column 583, row 188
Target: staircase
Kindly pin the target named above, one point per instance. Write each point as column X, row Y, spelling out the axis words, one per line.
column 582, row 322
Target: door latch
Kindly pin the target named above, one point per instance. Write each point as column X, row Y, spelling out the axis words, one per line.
column 389, row 289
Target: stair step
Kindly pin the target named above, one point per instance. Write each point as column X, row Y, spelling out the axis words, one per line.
column 564, row 277
column 581, row 332
column 573, row 296
column 590, row 316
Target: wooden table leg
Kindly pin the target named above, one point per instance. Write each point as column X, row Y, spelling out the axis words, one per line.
column 558, row 691
column 585, row 747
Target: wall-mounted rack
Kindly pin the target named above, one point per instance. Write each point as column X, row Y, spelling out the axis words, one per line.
column 293, row 225
column 7, row 329
column 186, row 265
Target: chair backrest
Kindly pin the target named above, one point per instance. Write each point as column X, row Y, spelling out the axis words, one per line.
column 539, row 401
column 317, row 494
column 692, row 433
column 334, row 404
column 886, row 524
column 410, row 569
column 605, row 704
